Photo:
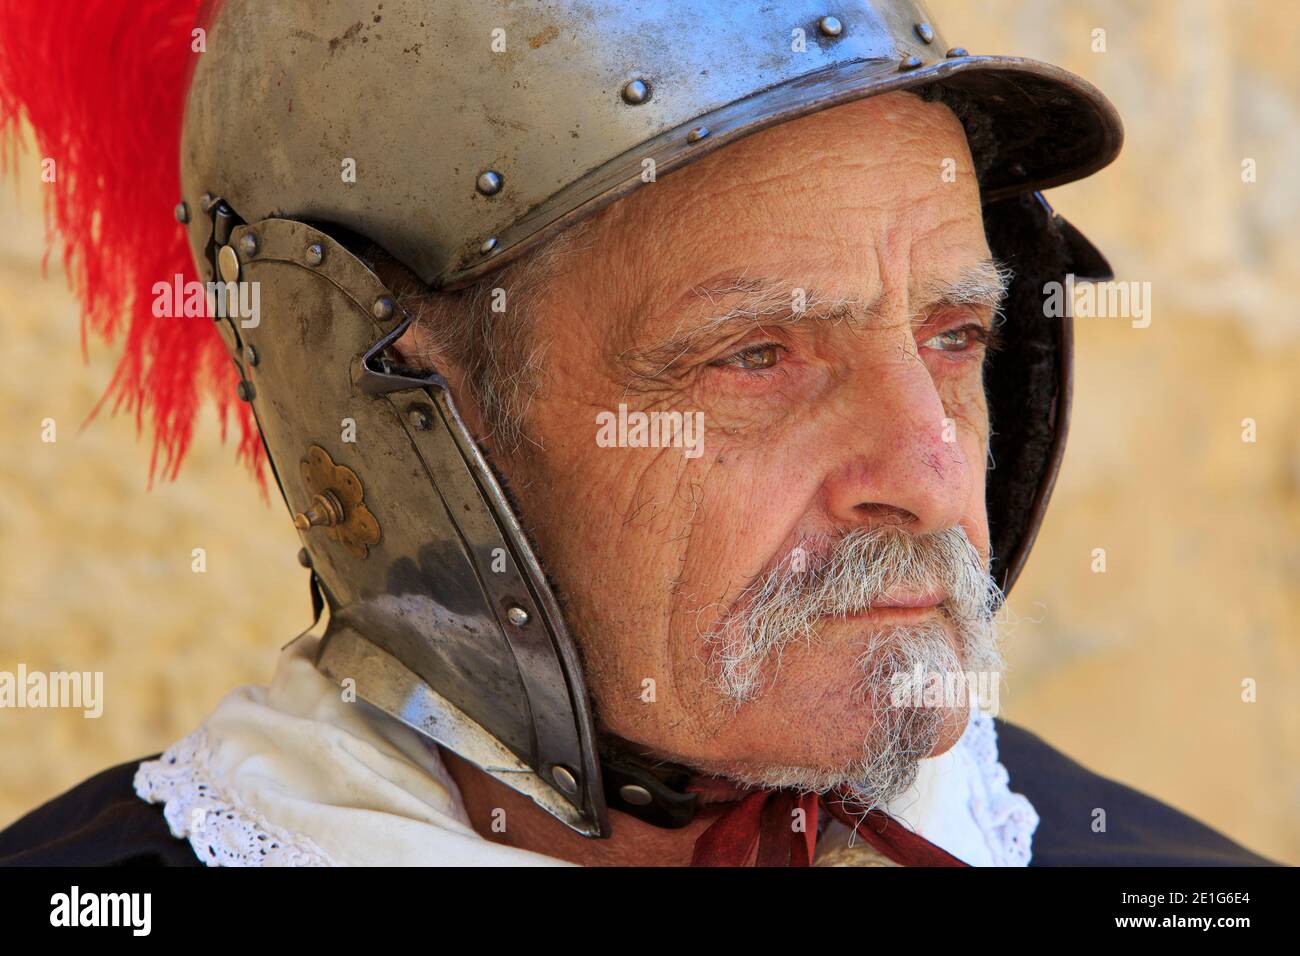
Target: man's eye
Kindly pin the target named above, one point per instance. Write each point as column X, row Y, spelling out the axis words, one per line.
column 957, row 340
column 756, row 358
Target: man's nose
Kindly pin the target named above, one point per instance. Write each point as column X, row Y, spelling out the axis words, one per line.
column 896, row 467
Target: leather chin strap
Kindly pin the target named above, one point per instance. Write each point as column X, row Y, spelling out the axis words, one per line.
column 651, row 790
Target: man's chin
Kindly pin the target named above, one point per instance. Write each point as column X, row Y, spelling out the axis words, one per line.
column 951, row 730
column 883, row 766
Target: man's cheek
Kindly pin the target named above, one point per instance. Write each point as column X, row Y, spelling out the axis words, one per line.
column 749, row 508
column 965, row 424
column 966, row 431
column 976, row 522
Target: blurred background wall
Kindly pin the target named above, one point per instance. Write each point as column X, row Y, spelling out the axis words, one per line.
column 1136, row 672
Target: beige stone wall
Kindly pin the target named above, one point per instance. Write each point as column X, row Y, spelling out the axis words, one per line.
column 1137, row 672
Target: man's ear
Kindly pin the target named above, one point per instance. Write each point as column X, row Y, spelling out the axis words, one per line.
column 416, row 349
column 418, row 346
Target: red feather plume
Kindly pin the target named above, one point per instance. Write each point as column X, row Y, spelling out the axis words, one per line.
column 103, row 83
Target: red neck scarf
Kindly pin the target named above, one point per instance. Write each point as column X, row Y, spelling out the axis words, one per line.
column 758, row 830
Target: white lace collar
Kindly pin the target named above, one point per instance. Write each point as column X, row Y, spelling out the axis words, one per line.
column 292, row 775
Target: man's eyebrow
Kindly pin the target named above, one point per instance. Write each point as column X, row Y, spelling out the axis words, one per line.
column 751, row 303
column 764, row 302
column 983, row 284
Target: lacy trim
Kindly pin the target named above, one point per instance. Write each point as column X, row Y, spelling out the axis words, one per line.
column 1008, row 820
column 220, row 828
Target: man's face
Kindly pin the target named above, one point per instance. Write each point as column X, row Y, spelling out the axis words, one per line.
column 816, row 295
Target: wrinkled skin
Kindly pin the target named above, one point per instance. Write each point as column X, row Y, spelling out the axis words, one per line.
column 824, row 427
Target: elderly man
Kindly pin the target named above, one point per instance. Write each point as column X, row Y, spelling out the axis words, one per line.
column 638, row 426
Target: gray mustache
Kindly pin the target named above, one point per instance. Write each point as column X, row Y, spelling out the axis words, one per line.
column 868, row 565
column 847, row 576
